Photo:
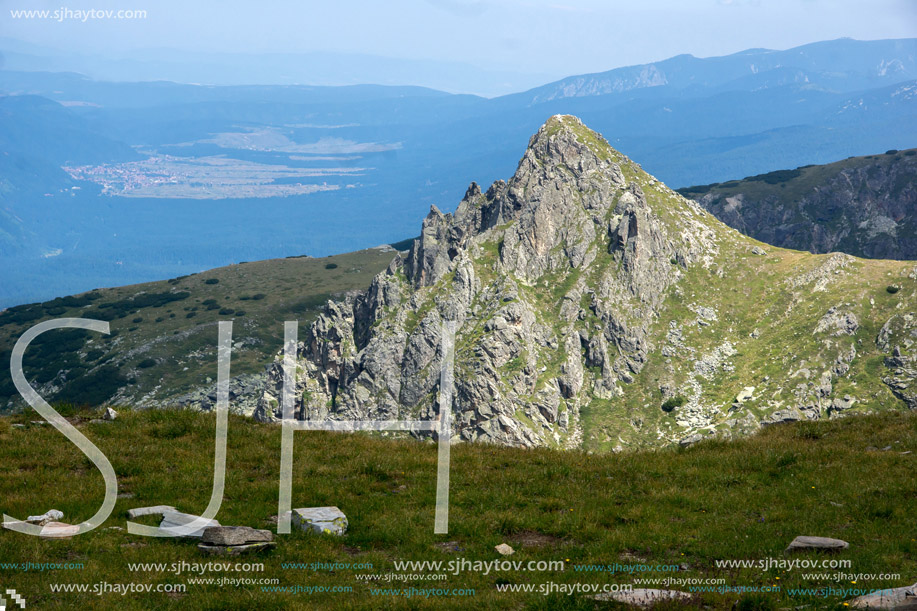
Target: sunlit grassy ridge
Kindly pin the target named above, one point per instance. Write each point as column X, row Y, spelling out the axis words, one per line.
column 743, row 499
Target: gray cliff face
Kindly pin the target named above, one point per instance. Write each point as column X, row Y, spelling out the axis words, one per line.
column 594, row 307
column 866, row 207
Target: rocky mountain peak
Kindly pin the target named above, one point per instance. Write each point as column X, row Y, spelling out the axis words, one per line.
column 552, row 209
column 564, row 139
column 572, row 221
column 593, row 306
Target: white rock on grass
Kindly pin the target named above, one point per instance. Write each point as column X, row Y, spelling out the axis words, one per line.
column 150, row 511
column 173, row 519
column 894, row 598
column 52, row 515
column 816, row 543
column 505, row 549
column 109, row 414
column 746, row 394
column 321, row 520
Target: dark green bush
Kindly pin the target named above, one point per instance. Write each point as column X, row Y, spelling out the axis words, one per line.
column 773, row 178
column 673, row 402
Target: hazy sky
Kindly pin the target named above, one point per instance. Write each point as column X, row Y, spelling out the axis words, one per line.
column 544, row 36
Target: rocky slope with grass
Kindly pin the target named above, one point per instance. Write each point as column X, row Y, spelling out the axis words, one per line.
column 863, row 206
column 161, row 351
column 597, row 308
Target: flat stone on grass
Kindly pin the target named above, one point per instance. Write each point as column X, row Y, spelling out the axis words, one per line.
column 235, row 535
column 803, row 543
column 329, row 520
column 150, row 511
column 58, row 530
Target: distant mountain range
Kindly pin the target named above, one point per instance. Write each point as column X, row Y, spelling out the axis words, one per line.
column 377, row 157
column 314, row 68
column 843, row 65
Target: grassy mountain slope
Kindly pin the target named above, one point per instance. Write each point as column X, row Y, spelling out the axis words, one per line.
column 738, row 500
column 864, row 206
column 163, row 340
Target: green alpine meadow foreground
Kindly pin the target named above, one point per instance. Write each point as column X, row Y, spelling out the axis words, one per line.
column 712, row 520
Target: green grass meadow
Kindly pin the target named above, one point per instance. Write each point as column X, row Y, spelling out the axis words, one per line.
column 718, row 500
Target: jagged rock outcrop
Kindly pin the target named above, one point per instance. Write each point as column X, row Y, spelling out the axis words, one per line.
column 863, row 206
column 899, row 336
column 580, row 289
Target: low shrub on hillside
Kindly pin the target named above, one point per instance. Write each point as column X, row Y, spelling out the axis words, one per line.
column 673, row 402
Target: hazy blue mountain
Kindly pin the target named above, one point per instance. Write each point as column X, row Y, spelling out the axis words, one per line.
column 391, row 152
column 35, row 126
column 37, row 137
column 836, row 65
column 72, row 87
column 315, row 68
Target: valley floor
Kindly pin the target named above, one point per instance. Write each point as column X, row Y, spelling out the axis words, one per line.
column 629, row 518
